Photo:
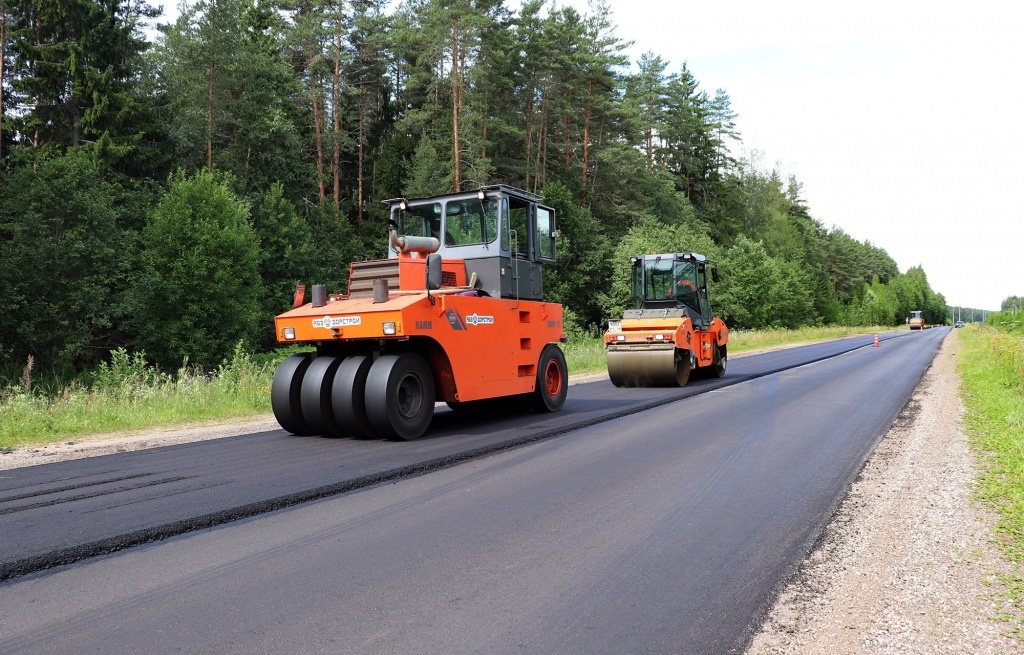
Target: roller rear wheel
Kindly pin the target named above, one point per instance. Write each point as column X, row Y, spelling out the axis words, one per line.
column 552, row 381
column 285, row 393
column 400, row 396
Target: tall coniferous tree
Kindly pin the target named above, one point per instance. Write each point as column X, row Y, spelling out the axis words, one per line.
column 722, row 120
column 603, row 59
column 647, row 91
column 76, row 65
column 368, row 30
column 3, row 68
column 231, row 93
column 309, row 36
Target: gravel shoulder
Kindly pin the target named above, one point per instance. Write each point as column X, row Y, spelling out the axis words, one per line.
column 907, row 565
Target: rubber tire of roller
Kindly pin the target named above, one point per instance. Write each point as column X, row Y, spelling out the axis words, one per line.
column 315, row 397
column 720, row 362
column 285, row 393
column 552, row 381
column 348, row 396
column 400, row 396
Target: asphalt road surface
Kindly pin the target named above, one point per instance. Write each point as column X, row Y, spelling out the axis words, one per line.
column 634, row 521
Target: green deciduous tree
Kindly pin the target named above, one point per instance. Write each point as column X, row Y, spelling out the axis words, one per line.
column 760, row 291
column 288, row 255
column 584, row 255
column 60, row 261
column 200, row 291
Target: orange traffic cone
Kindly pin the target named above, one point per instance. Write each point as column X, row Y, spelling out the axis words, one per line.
column 875, row 344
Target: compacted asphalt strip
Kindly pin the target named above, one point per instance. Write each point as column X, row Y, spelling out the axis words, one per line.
column 665, row 531
column 62, row 513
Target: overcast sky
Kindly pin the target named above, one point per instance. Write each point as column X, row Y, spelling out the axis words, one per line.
column 903, row 119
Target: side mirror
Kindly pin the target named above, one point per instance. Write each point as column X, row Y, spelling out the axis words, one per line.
column 433, row 272
column 714, row 275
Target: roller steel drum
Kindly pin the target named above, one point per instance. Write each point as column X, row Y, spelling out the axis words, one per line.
column 664, row 367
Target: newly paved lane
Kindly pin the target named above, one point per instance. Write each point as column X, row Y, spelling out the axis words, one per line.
column 663, row 531
column 61, row 513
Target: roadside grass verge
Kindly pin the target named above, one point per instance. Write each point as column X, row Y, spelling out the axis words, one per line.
column 992, row 375
column 130, row 394
column 586, row 355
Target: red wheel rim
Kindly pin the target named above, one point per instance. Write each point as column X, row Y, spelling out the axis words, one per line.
column 553, row 379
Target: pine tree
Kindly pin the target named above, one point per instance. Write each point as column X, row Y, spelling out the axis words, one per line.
column 231, row 93
column 76, row 64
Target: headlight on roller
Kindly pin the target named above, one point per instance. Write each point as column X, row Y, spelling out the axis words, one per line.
column 389, row 328
column 289, row 333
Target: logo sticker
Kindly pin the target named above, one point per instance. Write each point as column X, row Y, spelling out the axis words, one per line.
column 475, row 319
column 454, row 320
column 340, row 321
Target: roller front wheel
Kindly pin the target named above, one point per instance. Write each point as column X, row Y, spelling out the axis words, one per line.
column 649, row 368
column 348, row 396
column 286, row 391
column 400, row 396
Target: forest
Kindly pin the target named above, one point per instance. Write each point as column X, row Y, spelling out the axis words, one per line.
column 162, row 190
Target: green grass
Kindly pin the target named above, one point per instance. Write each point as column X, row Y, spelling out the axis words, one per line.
column 130, row 394
column 743, row 340
column 586, row 355
column 991, row 367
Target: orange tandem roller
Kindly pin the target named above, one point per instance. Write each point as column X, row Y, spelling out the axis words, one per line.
column 670, row 332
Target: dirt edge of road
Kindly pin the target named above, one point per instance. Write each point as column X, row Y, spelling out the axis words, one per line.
column 907, row 564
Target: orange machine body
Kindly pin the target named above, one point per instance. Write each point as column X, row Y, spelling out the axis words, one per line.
column 648, row 331
column 478, row 347
column 671, row 331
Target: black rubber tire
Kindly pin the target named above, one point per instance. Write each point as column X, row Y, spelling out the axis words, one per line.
column 285, row 392
column 721, row 361
column 348, row 396
column 315, row 396
column 400, row 396
column 552, row 381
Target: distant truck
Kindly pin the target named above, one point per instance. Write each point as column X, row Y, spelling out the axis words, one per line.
column 916, row 320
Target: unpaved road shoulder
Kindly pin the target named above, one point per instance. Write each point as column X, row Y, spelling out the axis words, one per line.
column 907, row 565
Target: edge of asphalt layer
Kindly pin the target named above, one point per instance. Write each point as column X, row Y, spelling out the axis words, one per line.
column 70, row 555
